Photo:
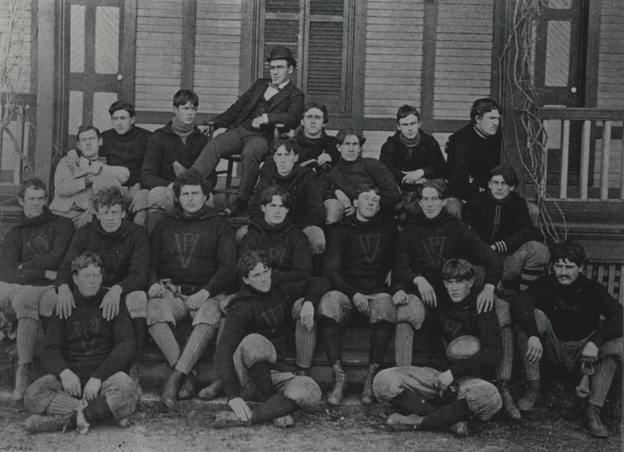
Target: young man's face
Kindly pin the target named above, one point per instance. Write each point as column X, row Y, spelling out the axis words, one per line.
column 192, row 198
column 186, row 113
column 499, row 188
column 567, row 272
column 431, row 202
column 110, row 217
column 409, row 126
column 285, row 161
column 367, row 205
column 88, row 280
column 350, row 148
column 488, row 123
column 275, row 212
column 122, row 122
column 89, row 144
column 458, row 289
column 33, row 202
column 280, row 71
column 259, row 278
column 312, row 123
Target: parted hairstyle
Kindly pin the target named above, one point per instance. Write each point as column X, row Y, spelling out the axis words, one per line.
column 85, row 260
column 405, row 111
column 344, row 133
column 509, row 174
column 483, row 106
column 183, row 96
column 191, row 177
column 35, row 183
column 438, row 184
column 288, row 142
column 458, row 269
column 108, row 197
column 121, row 105
column 86, row 128
column 570, row 250
column 274, row 190
column 310, row 105
column 249, row 260
column 365, row 188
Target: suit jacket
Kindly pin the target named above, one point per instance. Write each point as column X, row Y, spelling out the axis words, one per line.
column 286, row 106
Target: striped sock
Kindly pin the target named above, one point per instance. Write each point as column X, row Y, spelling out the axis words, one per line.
column 530, row 274
column 503, row 372
column 195, row 347
column 164, row 338
column 305, row 343
column 601, row 381
column 27, row 330
column 62, row 405
column 532, row 371
column 403, row 344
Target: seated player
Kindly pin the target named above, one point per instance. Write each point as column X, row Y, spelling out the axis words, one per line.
column 412, row 156
column 31, row 253
column 87, row 358
column 192, row 263
column 76, row 184
column 251, row 350
column 560, row 320
column 317, row 150
column 306, row 210
column 438, row 400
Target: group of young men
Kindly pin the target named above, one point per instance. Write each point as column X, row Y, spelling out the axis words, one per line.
column 334, row 239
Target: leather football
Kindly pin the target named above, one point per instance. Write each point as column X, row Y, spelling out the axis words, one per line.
column 463, row 347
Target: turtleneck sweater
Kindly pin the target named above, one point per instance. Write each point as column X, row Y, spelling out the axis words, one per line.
column 127, row 150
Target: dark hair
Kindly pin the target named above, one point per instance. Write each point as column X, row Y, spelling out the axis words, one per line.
column 310, row 105
column 35, row 183
column 365, row 188
column 183, row 96
column 483, row 106
column 83, row 129
column 85, row 260
column 274, row 190
column 121, row 105
column 288, row 142
column 344, row 133
column 438, row 184
column 459, row 269
column 509, row 174
column 405, row 111
column 249, row 260
column 570, row 250
column 108, row 197
column 191, row 177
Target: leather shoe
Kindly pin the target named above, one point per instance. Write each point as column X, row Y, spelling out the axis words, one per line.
column 169, row 395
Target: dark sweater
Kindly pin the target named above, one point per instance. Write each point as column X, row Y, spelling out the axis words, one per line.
column 574, row 311
column 426, row 244
column 507, row 221
column 196, row 252
column 426, row 155
column 37, row 244
column 359, row 256
column 290, row 257
column 268, row 314
column 311, row 149
column 306, row 200
column 462, row 318
column 166, row 147
column 127, row 150
column 86, row 343
column 124, row 254
column 348, row 176
column 471, row 156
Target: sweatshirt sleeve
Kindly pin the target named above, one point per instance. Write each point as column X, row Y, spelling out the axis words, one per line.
column 611, row 310
column 387, row 158
column 458, row 171
column 52, row 357
column 151, row 164
column 523, row 310
column 64, row 182
column 9, row 262
column 332, row 262
column 139, row 264
column 121, row 356
column 480, row 253
column 437, row 166
column 154, row 256
column 77, row 246
column 226, row 258
column 384, row 180
column 402, row 275
column 62, row 235
column 301, row 260
column 524, row 231
column 311, row 289
column 315, row 209
column 233, row 334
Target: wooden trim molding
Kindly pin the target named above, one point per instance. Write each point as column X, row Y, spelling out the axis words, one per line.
column 187, row 70
column 428, row 59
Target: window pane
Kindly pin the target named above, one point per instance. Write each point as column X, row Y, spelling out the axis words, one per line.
column 75, row 112
column 101, row 116
column 557, row 53
column 107, row 40
column 77, row 38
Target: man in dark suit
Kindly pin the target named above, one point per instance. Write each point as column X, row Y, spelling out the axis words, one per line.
column 249, row 121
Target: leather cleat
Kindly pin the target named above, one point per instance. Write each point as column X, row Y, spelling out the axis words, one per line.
column 367, row 397
column 399, row 423
column 226, row 419
column 169, row 394
column 284, row 421
column 212, row 391
column 336, row 395
column 593, row 424
column 41, row 424
column 187, row 390
column 508, row 404
column 460, row 429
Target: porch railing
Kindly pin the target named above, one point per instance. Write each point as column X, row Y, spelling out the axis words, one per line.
column 16, row 138
column 599, row 172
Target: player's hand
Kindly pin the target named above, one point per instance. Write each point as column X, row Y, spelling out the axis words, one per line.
column 400, row 298
column 156, row 291
column 349, row 210
column 241, row 409
column 485, row 300
column 589, row 353
column 444, row 380
column 307, row 315
column 94, row 168
column 362, row 303
column 50, row 275
column 196, row 300
column 71, row 383
column 110, row 303
column 72, row 159
column 323, row 158
column 65, row 302
column 92, row 389
column 257, row 122
column 413, row 177
column 427, row 293
column 535, row 351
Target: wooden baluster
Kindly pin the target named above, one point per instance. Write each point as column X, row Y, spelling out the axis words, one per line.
column 606, row 160
column 19, row 137
column 585, row 159
column 565, row 157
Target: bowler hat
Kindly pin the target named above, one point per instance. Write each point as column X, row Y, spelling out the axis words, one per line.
column 282, row 53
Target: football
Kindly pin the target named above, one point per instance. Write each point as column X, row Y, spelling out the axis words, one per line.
column 463, row 347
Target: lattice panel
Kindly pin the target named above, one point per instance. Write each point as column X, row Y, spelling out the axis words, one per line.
column 609, row 275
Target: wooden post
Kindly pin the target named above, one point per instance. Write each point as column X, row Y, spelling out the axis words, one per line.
column 606, row 160
column 585, row 159
column 565, row 157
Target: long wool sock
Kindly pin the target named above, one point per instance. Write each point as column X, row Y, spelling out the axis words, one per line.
column 403, row 344
column 98, row 411
column 601, row 381
column 380, row 338
column 412, row 402
column 62, row 405
column 530, row 274
column 140, row 333
column 277, row 406
column 305, row 343
column 166, row 341
column 531, row 370
column 195, row 347
column 26, row 339
column 448, row 415
column 260, row 374
column 329, row 330
column 503, row 372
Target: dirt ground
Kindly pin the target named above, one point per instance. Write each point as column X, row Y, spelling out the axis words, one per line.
column 189, row 429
